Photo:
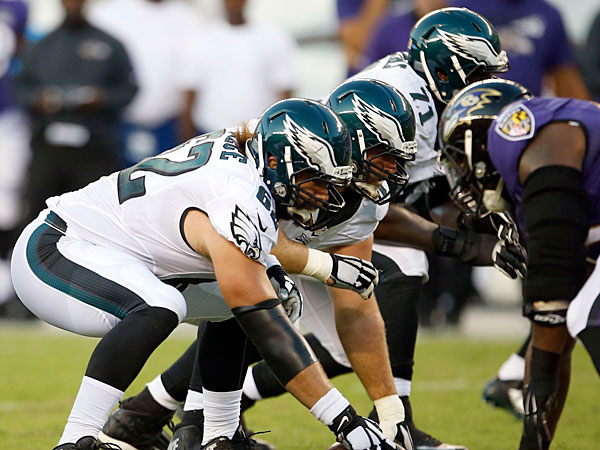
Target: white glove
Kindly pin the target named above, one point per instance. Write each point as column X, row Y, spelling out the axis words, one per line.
column 359, row 433
column 358, row 275
column 403, row 436
column 287, row 292
column 342, row 271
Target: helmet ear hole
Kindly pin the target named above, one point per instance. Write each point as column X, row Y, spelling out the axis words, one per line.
column 442, row 75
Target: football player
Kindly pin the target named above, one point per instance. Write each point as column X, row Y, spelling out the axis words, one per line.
column 448, row 49
column 539, row 155
column 99, row 261
column 379, row 155
column 449, row 67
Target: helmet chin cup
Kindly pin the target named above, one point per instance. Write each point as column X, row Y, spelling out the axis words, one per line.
column 493, row 200
column 371, row 191
column 306, row 218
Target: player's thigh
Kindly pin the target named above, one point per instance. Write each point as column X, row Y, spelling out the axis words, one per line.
column 318, row 316
column 205, row 302
column 81, row 287
column 409, row 261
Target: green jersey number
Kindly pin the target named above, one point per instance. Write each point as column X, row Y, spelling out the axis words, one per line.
column 422, row 97
column 131, row 188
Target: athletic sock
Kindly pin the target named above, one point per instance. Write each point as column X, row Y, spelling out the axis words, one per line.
column 403, row 387
column 221, row 414
column 160, row 395
column 94, row 402
column 329, row 406
column 512, row 369
column 194, row 401
column 250, row 390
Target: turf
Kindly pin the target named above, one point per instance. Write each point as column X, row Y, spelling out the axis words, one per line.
column 40, row 372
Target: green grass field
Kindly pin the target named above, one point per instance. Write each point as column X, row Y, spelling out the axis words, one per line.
column 40, row 372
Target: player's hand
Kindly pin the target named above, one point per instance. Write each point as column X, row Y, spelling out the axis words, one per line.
column 286, row 291
column 358, row 433
column 538, row 400
column 353, row 273
column 403, row 436
column 510, row 258
column 504, row 253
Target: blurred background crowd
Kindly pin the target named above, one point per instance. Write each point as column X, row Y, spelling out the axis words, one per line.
column 88, row 87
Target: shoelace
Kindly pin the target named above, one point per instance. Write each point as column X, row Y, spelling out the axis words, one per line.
column 251, row 442
column 241, row 443
column 107, row 446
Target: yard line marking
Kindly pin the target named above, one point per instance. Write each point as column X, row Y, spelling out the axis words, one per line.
column 455, row 384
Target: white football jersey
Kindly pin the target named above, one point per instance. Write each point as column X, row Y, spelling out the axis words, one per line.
column 140, row 210
column 395, row 71
column 352, row 231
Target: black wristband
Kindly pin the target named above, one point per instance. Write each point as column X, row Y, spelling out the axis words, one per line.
column 448, row 242
column 275, row 270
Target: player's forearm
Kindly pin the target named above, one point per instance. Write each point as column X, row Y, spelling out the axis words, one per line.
column 309, row 385
column 362, row 333
column 405, row 227
column 292, row 255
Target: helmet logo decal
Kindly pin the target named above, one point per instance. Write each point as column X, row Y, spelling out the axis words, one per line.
column 478, row 99
column 516, row 124
column 468, row 106
column 473, row 48
column 316, row 151
column 246, row 234
column 384, row 126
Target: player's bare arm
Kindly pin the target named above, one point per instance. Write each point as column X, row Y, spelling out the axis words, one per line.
column 362, row 332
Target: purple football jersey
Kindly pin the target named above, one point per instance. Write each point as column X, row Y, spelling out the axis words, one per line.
column 13, row 16
column 518, row 124
column 532, row 33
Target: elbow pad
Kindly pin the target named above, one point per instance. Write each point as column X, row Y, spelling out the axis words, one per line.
column 282, row 347
column 555, row 209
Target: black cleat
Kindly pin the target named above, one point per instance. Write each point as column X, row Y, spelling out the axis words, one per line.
column 259, row 444
column 424, row 441
column 133, row 430
column 88, row 443
column 186, row 437
column 505, row 394
column 239, row 441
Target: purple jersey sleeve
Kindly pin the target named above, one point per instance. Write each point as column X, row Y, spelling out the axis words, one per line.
column 511, row 133
column 349, row 8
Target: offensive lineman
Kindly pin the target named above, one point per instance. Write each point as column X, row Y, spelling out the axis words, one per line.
column 95, row 261
column 378, row 173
